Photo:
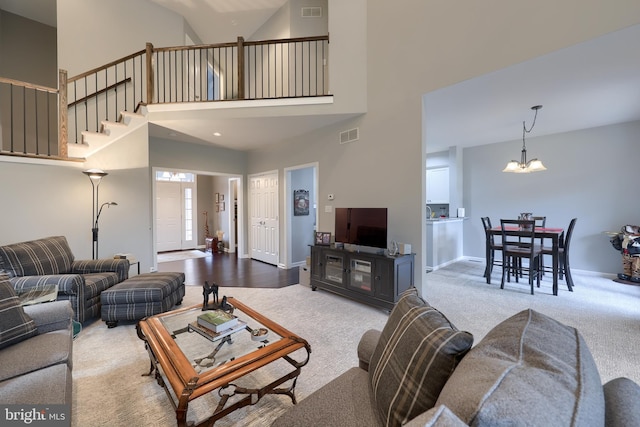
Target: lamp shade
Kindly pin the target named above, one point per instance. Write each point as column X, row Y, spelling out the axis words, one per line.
column 512, row 166
column 95, row 173
column 535, row 165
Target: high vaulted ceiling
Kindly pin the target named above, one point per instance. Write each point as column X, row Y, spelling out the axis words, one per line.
column 591, row 84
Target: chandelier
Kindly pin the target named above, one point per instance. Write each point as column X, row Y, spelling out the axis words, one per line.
column 524, row 166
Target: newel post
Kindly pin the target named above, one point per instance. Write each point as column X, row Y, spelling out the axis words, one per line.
column 149, row 60
column 63, row 114
column 241, row 68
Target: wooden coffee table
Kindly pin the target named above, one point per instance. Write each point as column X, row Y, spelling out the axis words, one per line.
column 194, row 366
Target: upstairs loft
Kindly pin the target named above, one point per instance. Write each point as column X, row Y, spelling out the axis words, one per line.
column 172, row 87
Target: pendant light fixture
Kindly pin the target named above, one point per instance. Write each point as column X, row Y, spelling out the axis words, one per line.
column 524, row 166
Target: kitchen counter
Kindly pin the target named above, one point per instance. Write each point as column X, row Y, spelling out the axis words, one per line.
column 454, row 219
column 444, row 241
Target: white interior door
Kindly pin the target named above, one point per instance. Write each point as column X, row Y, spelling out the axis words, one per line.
column 168, row 207
column 175, row 208
column 263, row 213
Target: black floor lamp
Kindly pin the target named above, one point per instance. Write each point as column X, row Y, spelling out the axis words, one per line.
column 96, row 176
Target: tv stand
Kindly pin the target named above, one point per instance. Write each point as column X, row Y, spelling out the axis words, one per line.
column 372, row 278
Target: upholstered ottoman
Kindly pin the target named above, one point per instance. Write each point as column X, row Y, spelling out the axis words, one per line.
column 141, row 296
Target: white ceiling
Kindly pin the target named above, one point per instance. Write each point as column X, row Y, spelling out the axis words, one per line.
column 591, row 84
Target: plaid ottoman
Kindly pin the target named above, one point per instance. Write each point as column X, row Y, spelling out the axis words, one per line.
column 141, row 296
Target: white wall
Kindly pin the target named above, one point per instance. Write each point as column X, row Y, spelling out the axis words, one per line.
column 56, row 199
column 590, row 176
column 92, row 33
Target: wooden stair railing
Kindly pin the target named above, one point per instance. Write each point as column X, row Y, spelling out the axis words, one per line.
column 268, row 69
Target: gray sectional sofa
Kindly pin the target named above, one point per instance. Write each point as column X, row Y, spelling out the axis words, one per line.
column 50, row 261
column 35, row 351
column 420, row 370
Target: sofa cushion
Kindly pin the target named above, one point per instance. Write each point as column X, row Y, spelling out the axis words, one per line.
column 17, row 326
column 48, row 386
column 416, row 353
column 51, row 255
column 621, row 397
column 345, row 401
column 438, row 416
column 529, row 367
column 52, row 348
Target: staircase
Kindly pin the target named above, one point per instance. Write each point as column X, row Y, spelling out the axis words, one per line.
column 92, row 142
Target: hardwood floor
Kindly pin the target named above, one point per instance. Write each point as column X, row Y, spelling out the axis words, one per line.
column 225, row 269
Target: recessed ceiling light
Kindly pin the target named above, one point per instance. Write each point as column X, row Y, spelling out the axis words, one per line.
column 173, row 134
column 217, row 134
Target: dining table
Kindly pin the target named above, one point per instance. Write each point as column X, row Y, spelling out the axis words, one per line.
column 556, row 235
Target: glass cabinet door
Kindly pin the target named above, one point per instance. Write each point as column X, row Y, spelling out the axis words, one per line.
column 361, row 275
column 334, row 268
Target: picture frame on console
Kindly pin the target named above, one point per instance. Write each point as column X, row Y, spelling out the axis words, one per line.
column 323, row 238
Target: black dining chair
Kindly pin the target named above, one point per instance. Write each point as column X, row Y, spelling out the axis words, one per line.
column 514, row 231
column 563, row 255
column 491, row 247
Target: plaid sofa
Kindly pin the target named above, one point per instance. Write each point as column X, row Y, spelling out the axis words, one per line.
column 50, row 261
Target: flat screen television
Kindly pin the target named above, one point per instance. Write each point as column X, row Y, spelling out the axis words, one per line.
column 362, row 226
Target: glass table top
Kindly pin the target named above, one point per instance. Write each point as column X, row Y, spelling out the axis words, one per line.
column 205, row 349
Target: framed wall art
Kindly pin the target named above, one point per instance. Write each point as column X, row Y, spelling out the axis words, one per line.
column 300, row 202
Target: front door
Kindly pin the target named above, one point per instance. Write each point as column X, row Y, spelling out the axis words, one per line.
column 263, row 213
column 175, row 207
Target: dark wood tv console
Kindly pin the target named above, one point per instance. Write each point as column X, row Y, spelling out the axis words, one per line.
column 374, row 279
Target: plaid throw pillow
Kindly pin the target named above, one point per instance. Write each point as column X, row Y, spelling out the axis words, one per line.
column 16, row 324
column 417, row 352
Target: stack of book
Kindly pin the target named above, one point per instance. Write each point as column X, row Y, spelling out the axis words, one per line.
column 216, row 324
column 217, row 320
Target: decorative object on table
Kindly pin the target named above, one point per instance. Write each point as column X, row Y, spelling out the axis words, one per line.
column 220, row 244
column 300, row 202
column 393, row 248
column 524, row 166
column 224, row 305
column 322, row 238
column 525, row 216
column 627, row 241
column 259, row 334
column 209, row 290
column 96, row 176
column 217, row 320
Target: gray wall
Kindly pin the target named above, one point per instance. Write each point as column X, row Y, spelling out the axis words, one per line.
column 590, row 176
column 28, row 50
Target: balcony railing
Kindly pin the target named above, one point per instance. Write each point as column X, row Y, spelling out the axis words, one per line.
column 37, row 125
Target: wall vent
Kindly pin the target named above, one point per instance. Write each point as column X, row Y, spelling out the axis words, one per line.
column 349, row 135
column 311, row 12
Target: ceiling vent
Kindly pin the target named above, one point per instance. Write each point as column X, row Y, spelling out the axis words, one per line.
column 349, row 135
column 311, row 12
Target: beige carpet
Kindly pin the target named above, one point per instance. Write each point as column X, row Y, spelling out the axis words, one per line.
column 110, row 391
column 181, row 255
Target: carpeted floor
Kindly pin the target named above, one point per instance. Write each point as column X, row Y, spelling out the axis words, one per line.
column 110, row 391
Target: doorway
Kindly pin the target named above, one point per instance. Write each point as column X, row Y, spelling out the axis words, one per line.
column 301, row 222
column 176, row 207
column 203, row 200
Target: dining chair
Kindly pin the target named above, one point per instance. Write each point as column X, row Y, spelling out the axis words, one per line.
column 539, row 221
column 514, row 231
column 491, row 247
column 563, row 255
